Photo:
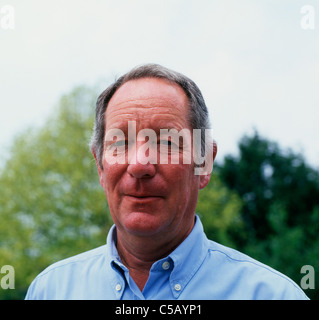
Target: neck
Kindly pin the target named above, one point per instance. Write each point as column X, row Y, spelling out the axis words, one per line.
column 139, row 253
column 137, row 262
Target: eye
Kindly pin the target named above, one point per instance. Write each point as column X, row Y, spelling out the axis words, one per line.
column 120, row 143
column 168, row 146
column 116, row 144
column 166, row 142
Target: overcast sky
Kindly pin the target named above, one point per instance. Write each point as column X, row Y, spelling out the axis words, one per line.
column 256, row 61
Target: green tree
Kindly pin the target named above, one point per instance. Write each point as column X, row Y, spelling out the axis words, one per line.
column 219, row 210
column 51, row 204
column 280, row 195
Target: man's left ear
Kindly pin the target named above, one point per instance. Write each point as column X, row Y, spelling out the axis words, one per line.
column 204, row 179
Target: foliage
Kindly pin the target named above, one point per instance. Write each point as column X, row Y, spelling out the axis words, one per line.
column 52, row 205
column 280, row 195
column 219, row 210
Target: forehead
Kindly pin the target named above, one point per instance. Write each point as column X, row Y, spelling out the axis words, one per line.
column 152, row 100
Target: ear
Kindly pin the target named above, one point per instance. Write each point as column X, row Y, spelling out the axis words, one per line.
column 214, row 150
column 204, row 179
column 99, row 169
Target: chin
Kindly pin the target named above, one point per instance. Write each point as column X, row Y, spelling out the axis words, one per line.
column 143, row 223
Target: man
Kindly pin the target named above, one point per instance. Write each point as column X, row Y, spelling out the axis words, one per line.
column 157, row 248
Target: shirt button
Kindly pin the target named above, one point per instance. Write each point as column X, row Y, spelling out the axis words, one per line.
column 118, row 287
column 165, row 265
column 177, row 287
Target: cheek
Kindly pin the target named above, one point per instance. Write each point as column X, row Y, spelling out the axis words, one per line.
column 185, row 184
column 111, row 176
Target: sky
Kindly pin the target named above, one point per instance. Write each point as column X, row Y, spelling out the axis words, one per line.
column 256, row 62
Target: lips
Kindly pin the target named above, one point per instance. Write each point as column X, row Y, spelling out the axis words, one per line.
column 143, row 196
column 143, row 190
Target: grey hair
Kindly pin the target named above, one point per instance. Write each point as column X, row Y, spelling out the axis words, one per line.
column 198, row 116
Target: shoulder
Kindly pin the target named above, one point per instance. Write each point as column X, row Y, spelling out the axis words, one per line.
column 59, row 276
column 74, row 263
column 249, row 275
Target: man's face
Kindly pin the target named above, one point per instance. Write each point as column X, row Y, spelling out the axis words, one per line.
column 150, row 199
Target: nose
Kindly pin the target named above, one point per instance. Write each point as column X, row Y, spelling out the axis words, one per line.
column 141, row 171
column 141, row 164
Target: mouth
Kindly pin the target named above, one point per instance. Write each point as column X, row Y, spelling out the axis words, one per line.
column 143, row 198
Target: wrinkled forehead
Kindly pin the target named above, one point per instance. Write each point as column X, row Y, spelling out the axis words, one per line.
column 148, row 87
column 148, row 99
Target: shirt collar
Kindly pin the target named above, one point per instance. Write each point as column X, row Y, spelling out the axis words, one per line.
column 186, row 258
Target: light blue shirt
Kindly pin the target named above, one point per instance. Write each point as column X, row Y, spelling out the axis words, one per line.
column 198, row 269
